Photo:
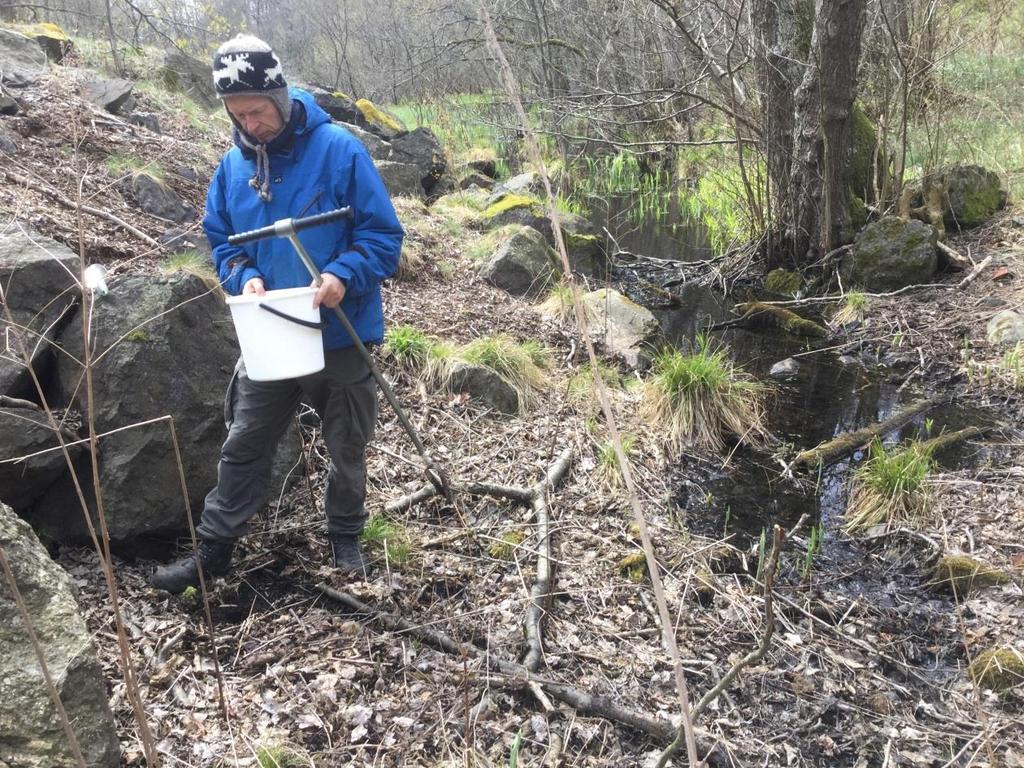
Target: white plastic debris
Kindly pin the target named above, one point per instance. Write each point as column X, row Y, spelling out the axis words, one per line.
column 95, row 279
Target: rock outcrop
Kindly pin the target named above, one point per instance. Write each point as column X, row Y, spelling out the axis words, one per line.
column 31, row 733
column 890, row 254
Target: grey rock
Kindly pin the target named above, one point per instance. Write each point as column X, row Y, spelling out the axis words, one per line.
column 974, row 194
column 24, row 432
column 488, row 168
column 185, row 241
column 785, row 368
column 375, row 145
column 110, row 95
column 421, row 148
column 339, row 106
column 157, row 200
column 22, row 61
column 522, row 264
column 38, row 279
column 527, row 183
column 890, row 254
column 1007, row 327
column 31, row 735
column 176, row 354
column 485, row 386
column 8, row 106
column 8, row 144
column 477, row 179
column 192, row 77
column 146, row 120
column 629, row 330
column 401, row 179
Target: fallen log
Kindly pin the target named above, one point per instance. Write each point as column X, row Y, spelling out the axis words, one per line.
column 940, row 442
column 754, row 312
column 832, row 450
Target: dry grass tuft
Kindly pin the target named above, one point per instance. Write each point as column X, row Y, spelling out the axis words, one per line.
column 889, row 487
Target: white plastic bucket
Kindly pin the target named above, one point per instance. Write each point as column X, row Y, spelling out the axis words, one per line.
column 274, row 347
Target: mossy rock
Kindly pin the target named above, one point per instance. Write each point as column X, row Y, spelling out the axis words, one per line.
column 975, row 194
column 513, row 202
column 757, row 313
column 634, row 567
column 998, row 669
column 387, row 125
column 890, row 254
column 960, row 574
column 856, row 218
column 783, row 282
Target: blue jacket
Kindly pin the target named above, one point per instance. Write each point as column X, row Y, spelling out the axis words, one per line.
column 323, row 167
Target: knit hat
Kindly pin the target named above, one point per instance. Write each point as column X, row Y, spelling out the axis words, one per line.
column 247, row 66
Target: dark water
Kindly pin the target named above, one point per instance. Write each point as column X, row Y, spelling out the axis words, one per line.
column 675, row 236
column 831, row 393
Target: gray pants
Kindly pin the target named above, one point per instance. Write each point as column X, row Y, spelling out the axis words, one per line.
column 257, row 413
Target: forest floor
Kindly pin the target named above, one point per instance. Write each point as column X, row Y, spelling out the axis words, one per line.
column 867, row 663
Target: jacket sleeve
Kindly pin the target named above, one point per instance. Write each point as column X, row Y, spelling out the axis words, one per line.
column 376, row 233
column 233, row 265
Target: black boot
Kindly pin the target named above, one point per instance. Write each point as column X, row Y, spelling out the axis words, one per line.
column 215, row 556
column 348, row 555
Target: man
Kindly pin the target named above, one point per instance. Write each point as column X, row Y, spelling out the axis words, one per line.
column 290, row 161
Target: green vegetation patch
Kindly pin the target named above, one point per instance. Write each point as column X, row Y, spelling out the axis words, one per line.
column 783, row 282
column 961, row 574
column 407, row 346
column 390, row 538
column 378, row 116
column 509, row 203
column 700, row 398
column 504, row 548
column 998, row 669
column 889, row 487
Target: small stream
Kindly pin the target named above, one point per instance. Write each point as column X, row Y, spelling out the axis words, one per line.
column 831, row 393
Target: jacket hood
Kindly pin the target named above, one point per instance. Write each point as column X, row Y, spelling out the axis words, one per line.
column 315, row 115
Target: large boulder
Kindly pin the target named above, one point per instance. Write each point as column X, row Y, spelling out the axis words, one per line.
column 157, row 199
column 485, row 386
column 629, row 330
column 526, row 183
column 31, row 733
column 37, row 277
column 522, row 263
column 375, row 145
column 190, row 76
column 339, row 106
column 50, row 37
column 110, row 95
column 890, row 254
column 974, row 195
column 164, row 346
column 421, row 148
column 24, row 432
column 401, row 179
column 22, row 61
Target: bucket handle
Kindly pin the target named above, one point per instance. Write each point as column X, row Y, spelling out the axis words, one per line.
column 297, row 320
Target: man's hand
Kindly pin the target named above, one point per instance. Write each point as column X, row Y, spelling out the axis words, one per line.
column 254, row 285
column 330, row 293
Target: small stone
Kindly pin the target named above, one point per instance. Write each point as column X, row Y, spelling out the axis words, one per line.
column 785, row 368
column 1007, row 327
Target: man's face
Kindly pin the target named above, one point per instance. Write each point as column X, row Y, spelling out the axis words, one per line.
column 257, row 115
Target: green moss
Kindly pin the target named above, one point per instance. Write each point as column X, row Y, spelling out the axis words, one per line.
column 377, row 116
column 508, row 203
column 863, row 144
column 782, row 281
column 138, row 335
column 961, row 574
column 341, row 95
column 791, row 322
column 858, row 211
column 505, row 547
column 998, row 668
column 979, row 204
column 634, row 566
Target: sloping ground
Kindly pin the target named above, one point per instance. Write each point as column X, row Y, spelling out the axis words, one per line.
column 847, row 681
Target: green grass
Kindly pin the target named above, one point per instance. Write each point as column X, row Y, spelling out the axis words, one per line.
column 391, row 538
column 128, row 166
column 279, row 756
column 191, row 262
column 504, row 547
column 582, row 389
column 888, row 487
column 522, row 366
column 558, row 303
column 407, row 346
column 608, row 473
column 1012, row 365
column 852, row 310
column 698, row 399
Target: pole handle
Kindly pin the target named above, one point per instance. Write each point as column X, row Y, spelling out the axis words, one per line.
column 285, row 227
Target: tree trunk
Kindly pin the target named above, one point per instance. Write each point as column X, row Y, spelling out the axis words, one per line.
column 819, row 184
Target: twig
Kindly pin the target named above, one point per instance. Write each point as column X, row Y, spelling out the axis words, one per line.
column 976, row 271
